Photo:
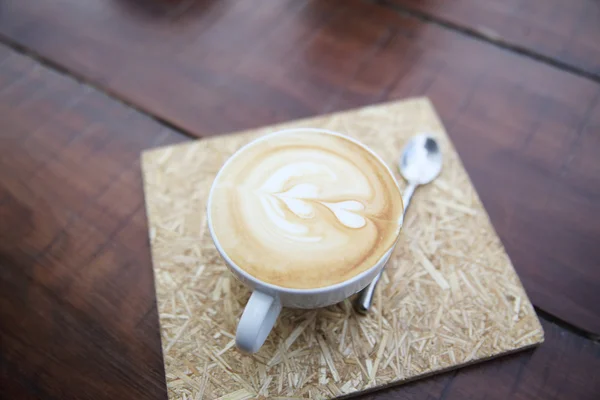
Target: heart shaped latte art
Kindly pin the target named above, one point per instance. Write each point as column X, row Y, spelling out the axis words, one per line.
column 305, row 209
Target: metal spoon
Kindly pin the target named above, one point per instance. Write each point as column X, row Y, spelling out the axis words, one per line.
column 420, row 163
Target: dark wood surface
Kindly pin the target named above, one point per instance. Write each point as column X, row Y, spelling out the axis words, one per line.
column 528, row 133
column 566, row 32
column 77, row 305
column 78, row 314
column 78, row 318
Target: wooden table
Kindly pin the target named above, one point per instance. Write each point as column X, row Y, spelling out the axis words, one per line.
column 86, row 85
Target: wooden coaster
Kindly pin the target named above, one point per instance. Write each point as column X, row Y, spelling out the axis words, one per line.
column 449, row 295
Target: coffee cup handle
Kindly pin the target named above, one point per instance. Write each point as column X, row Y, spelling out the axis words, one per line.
column 258, row 319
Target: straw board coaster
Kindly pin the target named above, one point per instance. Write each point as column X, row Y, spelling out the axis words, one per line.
column 448, row 297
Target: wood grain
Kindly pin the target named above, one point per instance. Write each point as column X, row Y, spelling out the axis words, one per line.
column 527, row 132
column 78, row 318
column 565, row 31
column 77, row 309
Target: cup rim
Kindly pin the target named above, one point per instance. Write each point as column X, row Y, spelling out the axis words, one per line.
column 278, row 288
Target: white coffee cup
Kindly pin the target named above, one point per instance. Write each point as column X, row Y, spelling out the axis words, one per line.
column 267, row 299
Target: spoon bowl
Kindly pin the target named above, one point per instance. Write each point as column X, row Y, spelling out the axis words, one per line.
column 421, row 160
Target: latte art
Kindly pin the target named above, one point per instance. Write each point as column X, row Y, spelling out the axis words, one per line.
column 305, row 201
column 305, row 209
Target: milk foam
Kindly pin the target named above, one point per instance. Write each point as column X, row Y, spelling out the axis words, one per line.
column 305, row 209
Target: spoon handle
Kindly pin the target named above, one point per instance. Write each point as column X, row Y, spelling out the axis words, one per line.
column 407, row 194
column 363, row 301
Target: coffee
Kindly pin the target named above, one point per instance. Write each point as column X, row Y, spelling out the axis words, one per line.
column 305, row 209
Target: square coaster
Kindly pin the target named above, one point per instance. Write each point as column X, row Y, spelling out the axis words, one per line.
column 449, row 295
